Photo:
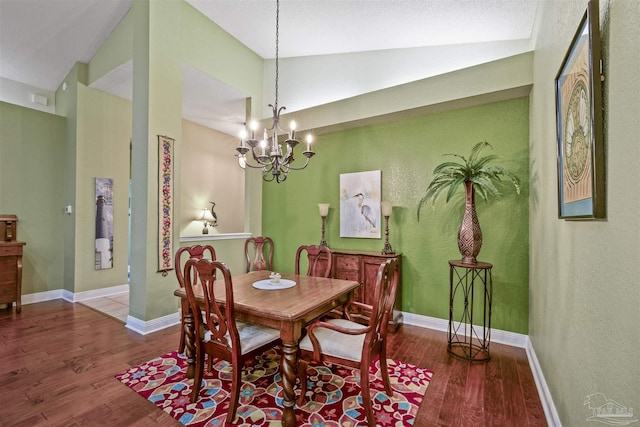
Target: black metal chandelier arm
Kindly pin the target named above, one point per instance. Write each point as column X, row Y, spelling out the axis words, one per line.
column 289, row 167
column 276, row 118
column 266, row 177
column 259, row 165
column 253, row 166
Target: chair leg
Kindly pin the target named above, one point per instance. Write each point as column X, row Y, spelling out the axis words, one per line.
column 234, row 397
column 302, row 375
column 384, row 370
column 182, row 344
column 197, row 377
column 366, row 396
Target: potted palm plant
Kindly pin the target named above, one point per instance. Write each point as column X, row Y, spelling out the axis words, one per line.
column 477, row 174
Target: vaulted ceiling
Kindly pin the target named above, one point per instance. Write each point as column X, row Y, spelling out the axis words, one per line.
column 40, row 40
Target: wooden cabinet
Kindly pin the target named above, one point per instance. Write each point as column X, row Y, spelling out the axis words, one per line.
column 363, row 267
column 10, row 263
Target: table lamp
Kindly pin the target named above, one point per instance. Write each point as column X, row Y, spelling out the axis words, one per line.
column 323, row 208
column 386, row 208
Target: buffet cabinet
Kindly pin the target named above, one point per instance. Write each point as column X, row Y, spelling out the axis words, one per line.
column 10, row 262
column 363, row 267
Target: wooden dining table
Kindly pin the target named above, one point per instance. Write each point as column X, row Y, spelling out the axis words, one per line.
column 288, row 310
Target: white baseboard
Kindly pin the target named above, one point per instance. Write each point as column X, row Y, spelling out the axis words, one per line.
column 497, row 335
column 144, row 327
column 97, row 293
column 42, row 296
column 550, row 412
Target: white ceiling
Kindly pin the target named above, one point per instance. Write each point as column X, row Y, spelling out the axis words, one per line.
column 40, row 40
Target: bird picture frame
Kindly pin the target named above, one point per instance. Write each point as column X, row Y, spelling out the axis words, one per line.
column 360, row 197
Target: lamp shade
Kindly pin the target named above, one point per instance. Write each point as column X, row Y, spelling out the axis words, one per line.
column 323, row 208
column 387, row 207
column 205, row 215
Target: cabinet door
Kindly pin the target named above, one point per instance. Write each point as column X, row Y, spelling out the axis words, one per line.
column 8, row 275
column 347, row 267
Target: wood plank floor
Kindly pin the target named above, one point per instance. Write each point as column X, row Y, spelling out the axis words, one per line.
column 58, row 359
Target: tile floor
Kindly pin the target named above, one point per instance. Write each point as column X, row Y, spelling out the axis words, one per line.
column 116, row 306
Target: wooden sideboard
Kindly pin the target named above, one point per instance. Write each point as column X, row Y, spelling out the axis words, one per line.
column 10, row 263
column 363, row 267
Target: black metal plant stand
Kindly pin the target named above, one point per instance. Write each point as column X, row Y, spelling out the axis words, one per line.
column 467, row 337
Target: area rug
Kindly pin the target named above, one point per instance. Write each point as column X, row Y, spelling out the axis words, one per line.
column 334, row 393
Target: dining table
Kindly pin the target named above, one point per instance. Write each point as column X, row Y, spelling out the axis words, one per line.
column 288, row 306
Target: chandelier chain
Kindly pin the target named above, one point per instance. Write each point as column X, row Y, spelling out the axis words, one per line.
column 274, row 158
column 277, row 43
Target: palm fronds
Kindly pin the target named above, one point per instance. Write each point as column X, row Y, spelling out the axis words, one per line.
column 452, row 174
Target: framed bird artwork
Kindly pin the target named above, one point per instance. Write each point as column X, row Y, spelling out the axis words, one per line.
column 360, row 205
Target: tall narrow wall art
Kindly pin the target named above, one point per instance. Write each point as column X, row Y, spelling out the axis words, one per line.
column 165, row 204
column 104, row 224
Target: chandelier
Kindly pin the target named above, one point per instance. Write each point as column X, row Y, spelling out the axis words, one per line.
column 267, row 153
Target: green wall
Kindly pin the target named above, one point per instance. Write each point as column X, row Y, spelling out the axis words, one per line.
column 585, row 295
column 406, row 152
column 103, row 140
column 31, row 187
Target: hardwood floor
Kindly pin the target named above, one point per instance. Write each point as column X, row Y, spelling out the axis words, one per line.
column 58, row 359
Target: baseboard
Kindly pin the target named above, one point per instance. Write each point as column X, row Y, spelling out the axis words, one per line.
column 144, row 327
column 550, row 412
column 43, row 296
column 497, row 335
column 73, row 296
column 98, row 293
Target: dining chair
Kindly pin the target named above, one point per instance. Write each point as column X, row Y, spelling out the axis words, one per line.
column 256, row 248
column 218, row 334
column 347, row 343
column 180, row 259
column 319, row 258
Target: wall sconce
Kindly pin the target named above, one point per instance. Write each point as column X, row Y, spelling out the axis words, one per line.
column 208, row 218
column 323, row 208
column 386, row 207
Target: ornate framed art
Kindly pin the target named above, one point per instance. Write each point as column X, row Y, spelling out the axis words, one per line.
column 580, row 140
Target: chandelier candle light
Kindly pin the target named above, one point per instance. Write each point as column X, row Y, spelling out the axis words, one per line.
column 323, row 208
column 386, row 208
column 269, row 156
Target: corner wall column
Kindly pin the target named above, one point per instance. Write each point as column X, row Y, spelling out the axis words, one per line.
column 157, row 110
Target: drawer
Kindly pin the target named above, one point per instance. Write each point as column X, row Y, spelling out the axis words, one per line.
column 347, row 275
column 8, row 262
column 10, row 250
column 347, row 263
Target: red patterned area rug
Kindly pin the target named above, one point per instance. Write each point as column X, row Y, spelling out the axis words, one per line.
column 335, row 398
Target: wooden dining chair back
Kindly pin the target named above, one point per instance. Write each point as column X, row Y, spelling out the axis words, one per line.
column 180, row 259
column 256, row 248
column 218, row 334
column 348, row 343
column 319, row 259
